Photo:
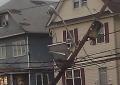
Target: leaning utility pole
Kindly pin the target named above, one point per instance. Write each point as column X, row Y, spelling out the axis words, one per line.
column 95, row 25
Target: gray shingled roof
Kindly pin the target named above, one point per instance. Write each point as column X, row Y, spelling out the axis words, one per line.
column 31, row 20
column 114, row 5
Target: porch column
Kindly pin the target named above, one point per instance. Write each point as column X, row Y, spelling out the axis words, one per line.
column 29, row 78
column 11, row 79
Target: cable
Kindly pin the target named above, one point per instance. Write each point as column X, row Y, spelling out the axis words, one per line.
column 99, row 62
column 88, row 56
column 91, row 63
column 101, row 52
column 106, row 56
column 85, row 56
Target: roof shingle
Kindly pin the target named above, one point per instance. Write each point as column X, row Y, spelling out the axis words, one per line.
column 30, row 17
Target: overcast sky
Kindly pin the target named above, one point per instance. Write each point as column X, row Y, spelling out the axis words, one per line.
column 5, row 1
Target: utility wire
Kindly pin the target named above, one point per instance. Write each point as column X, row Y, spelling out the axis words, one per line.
column 101, row 52
column 106, row 56
column 98, row 62
column 77, row 58
column 29, row 44
column 88, row 56
column 85, row 65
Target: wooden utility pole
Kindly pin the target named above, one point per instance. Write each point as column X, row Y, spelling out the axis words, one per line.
column 72, row 57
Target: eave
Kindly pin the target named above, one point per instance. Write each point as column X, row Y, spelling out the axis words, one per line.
column 80, row 20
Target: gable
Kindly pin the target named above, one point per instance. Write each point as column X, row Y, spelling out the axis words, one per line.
column 67, row 10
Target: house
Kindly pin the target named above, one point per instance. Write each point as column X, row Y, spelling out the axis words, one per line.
column 98, row 61
column 24, row 57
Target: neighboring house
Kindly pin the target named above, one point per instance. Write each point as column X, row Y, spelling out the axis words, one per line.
column 24, row 57
column 98, row 62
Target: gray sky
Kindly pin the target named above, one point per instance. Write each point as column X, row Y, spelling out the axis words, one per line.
column 3, row 2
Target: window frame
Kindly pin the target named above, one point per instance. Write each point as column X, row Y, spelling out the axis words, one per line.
column 74, row 33
column 3, row 19
column 103, row 29
column 106, row 35
column 3, row 48
column 18, row 46
column 73, row 76
column 79, row 3
column 4, row 80
column 42, row 75
column 76, row 2
column 101, row 74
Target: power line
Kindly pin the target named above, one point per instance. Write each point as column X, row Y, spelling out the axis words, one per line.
column 77, row 58
column 89, row 56
column 106, row 56
column 82, row 64
column 99, row 53
column 89, row 64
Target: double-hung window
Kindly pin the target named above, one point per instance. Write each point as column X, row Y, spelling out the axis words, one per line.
column 74, row 77
column 73, row 33
column 103, row 75
column 100, row 37
column 77, row 3
column 2, row 51
column 42, row 79
column 19, row 48
column 3, row 80
column 103, row 35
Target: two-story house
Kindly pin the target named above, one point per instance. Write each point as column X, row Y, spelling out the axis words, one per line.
column 98, row 61
column 24, row 57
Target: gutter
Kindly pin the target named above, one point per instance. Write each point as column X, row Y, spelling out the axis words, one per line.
column 59, row 24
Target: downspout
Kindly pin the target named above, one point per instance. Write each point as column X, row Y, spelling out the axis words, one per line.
column 28, row 54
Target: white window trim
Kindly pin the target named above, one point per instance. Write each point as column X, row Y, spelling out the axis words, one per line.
column 104, row 36
column 71, row 69
column 102, row 74
column 41, row 74
column 3, row 46
column 81, row 3
column 5, row 20
column 15, row 47
column 68, row 39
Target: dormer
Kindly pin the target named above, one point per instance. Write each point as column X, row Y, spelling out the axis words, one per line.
column 3, row 20
column 70, row 9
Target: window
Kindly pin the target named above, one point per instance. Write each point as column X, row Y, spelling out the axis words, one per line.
column 19, row 79
column 100, row 36
column 103, row 35
column 42, row 79
column 74, row 77
column 103, row 75
column 74, row 34
column 2, row 51
column 3, row 20
column 19, row 48
column 3, row 80
column 77, row 3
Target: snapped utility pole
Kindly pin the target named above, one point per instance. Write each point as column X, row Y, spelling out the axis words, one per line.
column 70, row 61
